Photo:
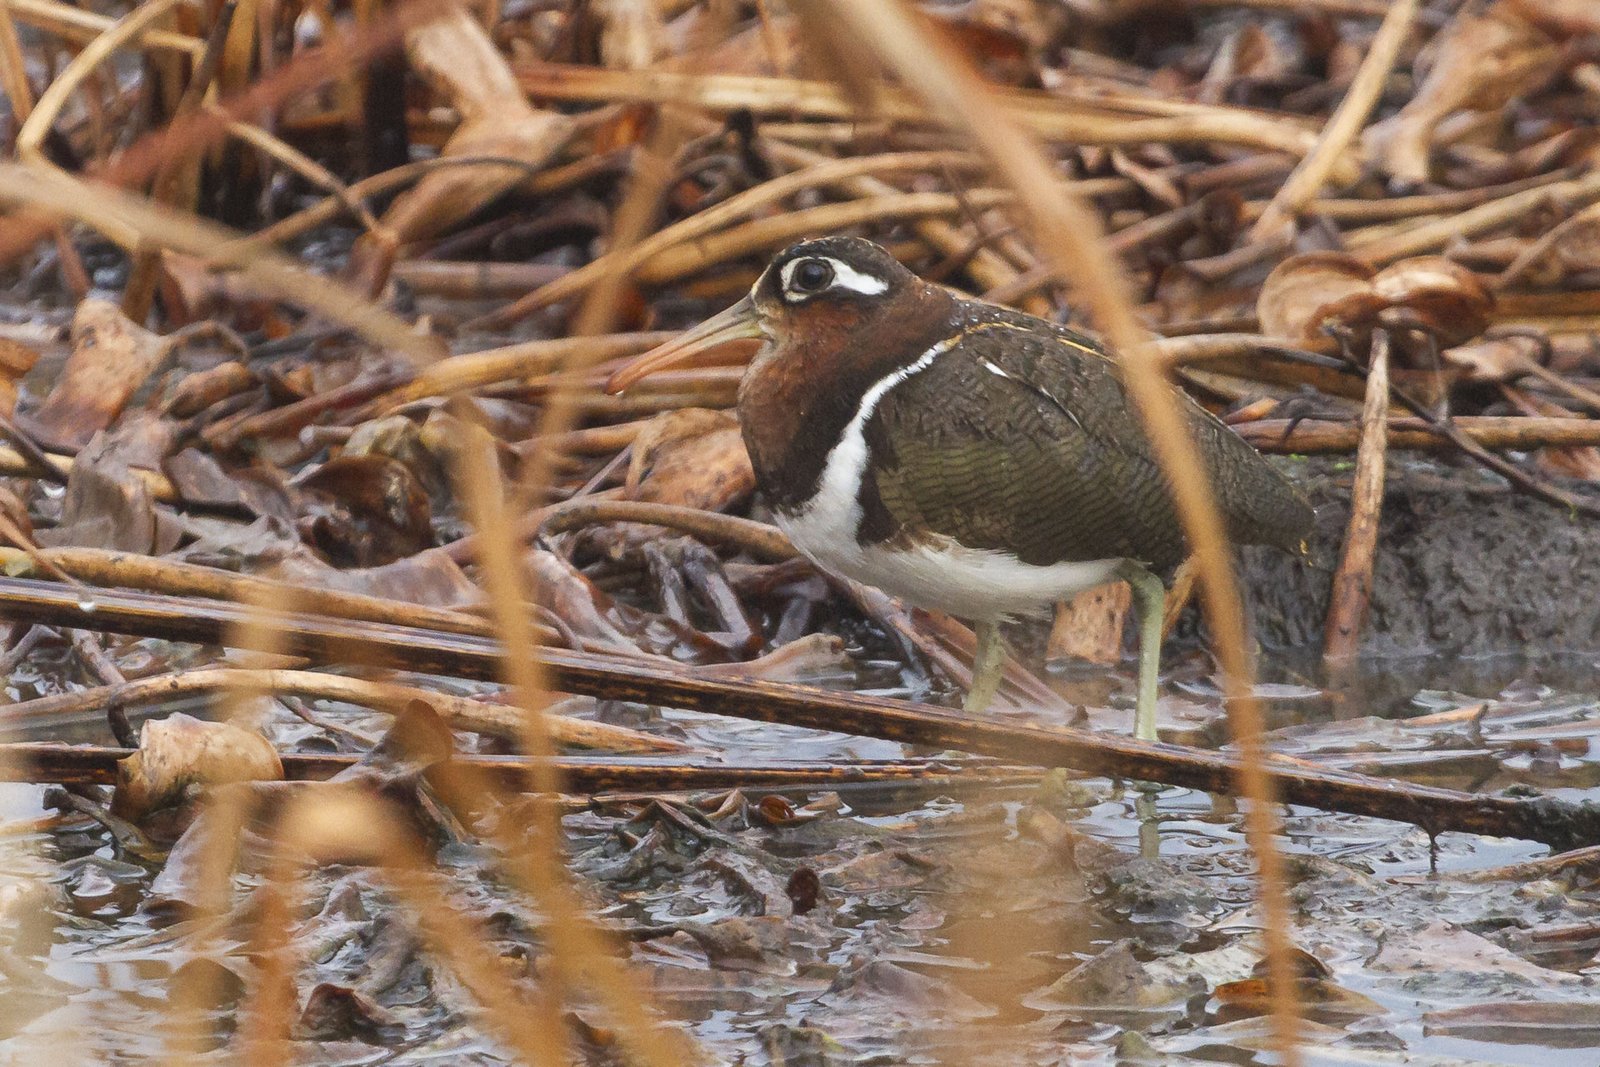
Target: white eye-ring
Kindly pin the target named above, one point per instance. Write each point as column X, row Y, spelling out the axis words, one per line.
column 809, row 275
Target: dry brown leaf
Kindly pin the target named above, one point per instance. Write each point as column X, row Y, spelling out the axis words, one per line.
column 179, row 753
column 107, row 506
column 694, row 457
column 1500, row 359
column 1306, row 294
column 111, row 357
column 429, row 578
column 365, row 511
column 463, row 65
column 194, row 291
column 1434, row 294
column 1480, row 62
column 569, row 596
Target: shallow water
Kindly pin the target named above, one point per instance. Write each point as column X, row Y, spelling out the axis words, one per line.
column 944, row 921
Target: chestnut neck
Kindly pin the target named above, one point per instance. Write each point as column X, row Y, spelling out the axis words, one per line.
column 802, row 391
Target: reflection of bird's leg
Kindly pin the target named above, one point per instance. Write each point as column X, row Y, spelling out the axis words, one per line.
column 987, row 664
column 1150, row 600
column 1144, row 808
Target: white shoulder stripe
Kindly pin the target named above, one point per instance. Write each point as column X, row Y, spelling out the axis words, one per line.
column 836, row 502
column 937, row 573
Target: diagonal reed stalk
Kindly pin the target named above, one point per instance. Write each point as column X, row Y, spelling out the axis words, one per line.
column 1070, row 236
column 580, row 951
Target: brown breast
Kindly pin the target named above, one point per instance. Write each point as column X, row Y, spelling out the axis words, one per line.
column 801, row 391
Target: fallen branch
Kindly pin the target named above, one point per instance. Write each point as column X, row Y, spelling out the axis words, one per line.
column 1559, row 823
column 50, row 761
column 103, row 567
column 461, row 713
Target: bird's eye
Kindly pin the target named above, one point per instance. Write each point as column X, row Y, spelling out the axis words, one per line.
column 811, row 276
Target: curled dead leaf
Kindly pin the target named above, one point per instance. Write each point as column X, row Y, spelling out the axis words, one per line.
column 1499, row 359
column 424, row 449
column 1309, row 294
column 179, row 753
column 1435, row 294
column 694, row 457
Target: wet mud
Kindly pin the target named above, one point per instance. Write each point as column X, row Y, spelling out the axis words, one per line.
column 1466, row 567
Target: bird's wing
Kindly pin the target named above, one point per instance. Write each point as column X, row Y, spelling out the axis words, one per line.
column 1024, row 440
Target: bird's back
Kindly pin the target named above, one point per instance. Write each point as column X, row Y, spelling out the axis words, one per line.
column 1070, row 473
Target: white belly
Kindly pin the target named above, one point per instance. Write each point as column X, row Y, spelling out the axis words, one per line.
column 970, row 582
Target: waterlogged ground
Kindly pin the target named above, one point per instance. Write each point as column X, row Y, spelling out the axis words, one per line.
column 1060, row 921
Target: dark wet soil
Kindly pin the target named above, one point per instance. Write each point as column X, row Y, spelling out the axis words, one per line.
column 1466, row 567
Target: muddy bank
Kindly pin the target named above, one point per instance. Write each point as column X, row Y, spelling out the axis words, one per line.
column 1466, row 567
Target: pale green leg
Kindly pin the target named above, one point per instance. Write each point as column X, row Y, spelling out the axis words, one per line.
column 1150, row 600
column 987, row 664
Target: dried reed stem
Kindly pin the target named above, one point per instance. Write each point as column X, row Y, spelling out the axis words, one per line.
column 1351, row 597
column 1309, row 176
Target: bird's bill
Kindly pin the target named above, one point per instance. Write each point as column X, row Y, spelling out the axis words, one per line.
column 739, row 323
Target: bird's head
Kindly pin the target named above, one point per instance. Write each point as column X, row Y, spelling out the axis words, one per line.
column 822, row 291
